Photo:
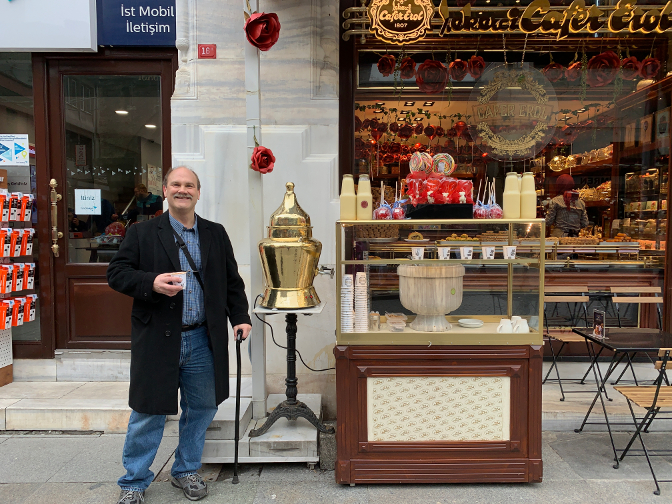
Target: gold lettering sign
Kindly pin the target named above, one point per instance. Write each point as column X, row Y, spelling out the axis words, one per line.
column 400, row 21
column 405, row 21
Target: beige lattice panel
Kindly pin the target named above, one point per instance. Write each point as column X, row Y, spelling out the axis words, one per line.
column 439, row 408
column 5, row 347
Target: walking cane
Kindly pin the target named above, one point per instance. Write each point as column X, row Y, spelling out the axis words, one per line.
column 239, row 339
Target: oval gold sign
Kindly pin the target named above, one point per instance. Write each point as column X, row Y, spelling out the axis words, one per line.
column 400, row 21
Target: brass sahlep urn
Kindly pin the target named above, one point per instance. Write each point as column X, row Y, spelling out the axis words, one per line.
column 289, row 257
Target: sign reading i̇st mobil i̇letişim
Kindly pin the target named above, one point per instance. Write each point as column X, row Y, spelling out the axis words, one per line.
column 136, row 22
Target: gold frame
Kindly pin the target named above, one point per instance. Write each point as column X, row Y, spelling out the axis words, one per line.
column 453, row 337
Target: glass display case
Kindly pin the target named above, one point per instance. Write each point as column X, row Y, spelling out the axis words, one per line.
column 440, row 282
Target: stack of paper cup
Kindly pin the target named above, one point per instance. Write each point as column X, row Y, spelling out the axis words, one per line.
column 361, row 302
column 347, row 309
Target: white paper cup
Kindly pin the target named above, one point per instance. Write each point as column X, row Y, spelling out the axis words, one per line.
column 466, row 252
column 488, row 252
column 183, row 279
column 444, row 252
column 509, row 251
column 347, row 280
column 418, row 253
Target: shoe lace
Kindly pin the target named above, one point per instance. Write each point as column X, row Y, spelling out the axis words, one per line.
column 194, row 478
column 130, row 495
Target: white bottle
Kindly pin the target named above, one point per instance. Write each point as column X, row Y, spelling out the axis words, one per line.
column 528, row 197
column 511, row 197
column 348, row 199
column 364, row 198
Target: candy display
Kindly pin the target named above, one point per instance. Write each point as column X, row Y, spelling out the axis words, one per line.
column 416, row 162
column 444, row 163
column 428, row 162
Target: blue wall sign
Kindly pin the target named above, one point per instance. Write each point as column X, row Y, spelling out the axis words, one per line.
column 136, row 22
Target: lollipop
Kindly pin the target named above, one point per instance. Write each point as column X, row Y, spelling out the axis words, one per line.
column 416, row 163
column 444, row 163
column 428, row 162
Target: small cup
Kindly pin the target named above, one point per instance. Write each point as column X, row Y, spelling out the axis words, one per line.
column 488, row 252
column 418, row 253
column 509, row 251
column 183, row 278
column 515, row 319
column 347, row 280
column 444, row 252
column 521, row 327
column 466, row 252
column 505, row 326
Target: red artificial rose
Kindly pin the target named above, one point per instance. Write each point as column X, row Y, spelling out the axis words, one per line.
column 405, row 132
column 394, row 127
column 649, row 68
column 395, row 148
column 476, row 66
column 407, row 68
column 430, row 131
column 382, row 127
column 440, row 131
column 386, row 64
column 263, row 160
column 554, row 72
column 631, row 68
column 431, row 77
column 262, row 30
column 366, row 124
column 419, row 128
column 388, row 159
column 573, row 71
column 358, row 123
column 458, row 69
column 602, row 69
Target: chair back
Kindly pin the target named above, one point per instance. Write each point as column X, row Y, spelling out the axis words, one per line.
column 661, row 366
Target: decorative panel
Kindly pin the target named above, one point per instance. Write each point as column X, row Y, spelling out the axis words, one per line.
column 438, row 408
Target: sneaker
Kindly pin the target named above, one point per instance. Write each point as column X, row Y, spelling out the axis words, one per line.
column 131, row 497
column 192, row 485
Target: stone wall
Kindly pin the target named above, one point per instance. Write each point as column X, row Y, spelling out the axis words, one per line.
column 299, row 86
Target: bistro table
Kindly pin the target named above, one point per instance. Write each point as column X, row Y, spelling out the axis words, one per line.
column 624, row 342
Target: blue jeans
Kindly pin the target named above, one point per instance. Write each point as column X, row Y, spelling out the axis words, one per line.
column 198, row 403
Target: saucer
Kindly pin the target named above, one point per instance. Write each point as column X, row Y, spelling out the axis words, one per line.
column 470, row 323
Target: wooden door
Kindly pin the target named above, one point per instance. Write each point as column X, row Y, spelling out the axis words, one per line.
column 109, row 142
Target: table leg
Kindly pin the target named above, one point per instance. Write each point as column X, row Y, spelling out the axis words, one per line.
column 290, row 408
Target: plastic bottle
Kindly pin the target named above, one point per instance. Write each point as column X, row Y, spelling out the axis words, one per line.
column 528, row 197
column 348, row 199
column 364, row 198
column 511, row 197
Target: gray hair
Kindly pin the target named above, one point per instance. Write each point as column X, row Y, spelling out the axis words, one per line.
column 171, row 170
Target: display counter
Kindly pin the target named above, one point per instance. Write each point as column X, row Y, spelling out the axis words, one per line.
column 428, row 389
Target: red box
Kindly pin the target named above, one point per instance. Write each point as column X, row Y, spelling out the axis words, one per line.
column 207, row 51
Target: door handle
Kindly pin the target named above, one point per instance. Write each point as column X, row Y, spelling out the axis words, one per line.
column 55, row 233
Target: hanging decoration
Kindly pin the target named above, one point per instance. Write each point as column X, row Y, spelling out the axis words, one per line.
column 407, row 68
column 631, row 68
column 649, row 68
column 386, row 64
column 476, row 66
column 262, row 30
column 554, row 71
column 602, row 69
column 263, row 159
column 458, row 69
column 431, row 77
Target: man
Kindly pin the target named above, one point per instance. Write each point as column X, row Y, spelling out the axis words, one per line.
column 146, row 203
column 179, row 335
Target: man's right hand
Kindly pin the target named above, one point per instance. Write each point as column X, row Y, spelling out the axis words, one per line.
column 163, row 284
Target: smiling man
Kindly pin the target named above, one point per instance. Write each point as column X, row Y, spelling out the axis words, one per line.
column 179, row 332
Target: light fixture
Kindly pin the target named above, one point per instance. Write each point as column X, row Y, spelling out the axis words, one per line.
column 377, row 111
column 418, row 118
column 122, row 112
column 409, row 103
column 150, row 126
column 401, row 119
column 428, row 104
column 405, row 112
column 380, row 103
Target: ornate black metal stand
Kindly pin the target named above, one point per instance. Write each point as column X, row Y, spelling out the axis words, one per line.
column 291, row 409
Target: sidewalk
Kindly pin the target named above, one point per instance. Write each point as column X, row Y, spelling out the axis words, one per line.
column 79, row 469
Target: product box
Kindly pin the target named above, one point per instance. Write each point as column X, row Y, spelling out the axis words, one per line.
column 15, row 242
column 27, row 242
column 6, row 272
column 29, row 276
column 15, row 276
column 19, row 268
column 15, row 205
column 30, row 308
column 6, row 306
column 26, row 210
column 17, row 311
column 4, row 206
column 7, row 242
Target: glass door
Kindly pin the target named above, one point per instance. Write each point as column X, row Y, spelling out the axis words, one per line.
column 108, row 153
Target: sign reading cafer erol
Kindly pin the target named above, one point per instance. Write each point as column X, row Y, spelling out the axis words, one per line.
column 406, row 21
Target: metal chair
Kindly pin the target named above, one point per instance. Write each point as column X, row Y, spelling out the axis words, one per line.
column 653, row 398
column 639, row 300
column 580, row 300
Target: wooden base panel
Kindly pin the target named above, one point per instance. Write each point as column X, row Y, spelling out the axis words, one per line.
column 6, row 375
column 439, row 414
column 440, row 471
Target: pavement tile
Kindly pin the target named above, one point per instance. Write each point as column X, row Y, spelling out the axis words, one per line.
column 75, row 493
column 38, row 390
column 328, row 491
column 101, row 461
column 17, row 493
column 218, row 493
column 36, row 459
column 294, row 472
column 629, row 492
column 97, row 390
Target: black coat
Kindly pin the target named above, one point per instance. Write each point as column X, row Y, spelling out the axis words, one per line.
column 148, row 250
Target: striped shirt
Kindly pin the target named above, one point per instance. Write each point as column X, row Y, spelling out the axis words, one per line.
column 193, row 305
column 573, row 219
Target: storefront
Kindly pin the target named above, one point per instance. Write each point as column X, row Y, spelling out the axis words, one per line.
column 87, row 87
column 443, row 106
column 429, row 85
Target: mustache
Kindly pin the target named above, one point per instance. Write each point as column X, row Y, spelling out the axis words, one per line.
column 182, row 195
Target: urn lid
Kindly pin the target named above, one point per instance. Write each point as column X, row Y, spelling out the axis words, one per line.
column 289, row 220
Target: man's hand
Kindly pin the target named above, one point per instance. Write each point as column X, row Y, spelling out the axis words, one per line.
column 246, row 328
column 163, row 285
